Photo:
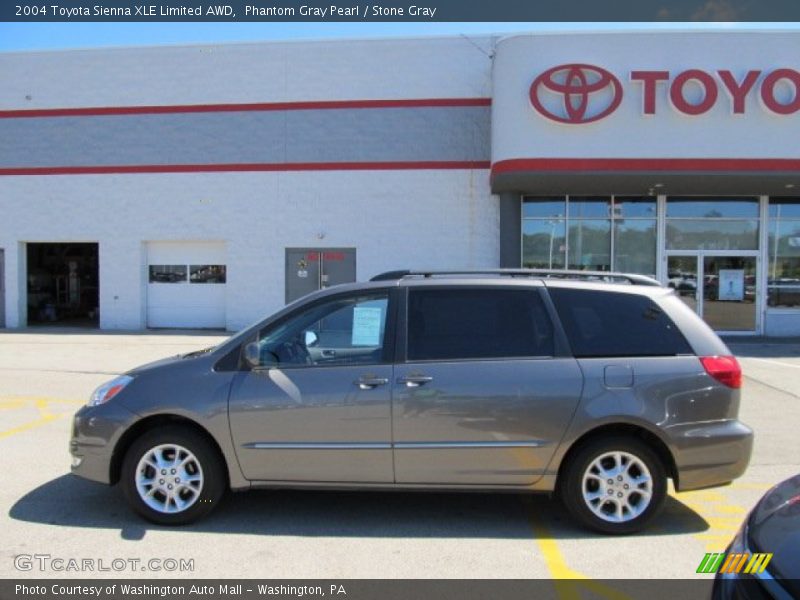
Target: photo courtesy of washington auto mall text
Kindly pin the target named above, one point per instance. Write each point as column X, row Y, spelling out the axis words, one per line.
column 81, row 591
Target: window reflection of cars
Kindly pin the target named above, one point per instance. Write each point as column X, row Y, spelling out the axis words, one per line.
column 207, row 274
column 683, row 283
column 783, row 291
column 711, row 287
column 166, row 277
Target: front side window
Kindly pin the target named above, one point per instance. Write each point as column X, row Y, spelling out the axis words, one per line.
column 344, row 331
column 607, row 324
column 468, row 323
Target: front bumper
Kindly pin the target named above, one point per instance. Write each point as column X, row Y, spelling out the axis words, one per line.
column 95, row 433
column 710, row 454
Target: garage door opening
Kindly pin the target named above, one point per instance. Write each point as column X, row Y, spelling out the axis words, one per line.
column 63, row 284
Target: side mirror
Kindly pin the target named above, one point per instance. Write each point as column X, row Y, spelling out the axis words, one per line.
column 252, row 355
column 311, row 339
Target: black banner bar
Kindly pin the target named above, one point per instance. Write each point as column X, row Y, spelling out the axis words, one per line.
column 353, row 589
column 399, row 10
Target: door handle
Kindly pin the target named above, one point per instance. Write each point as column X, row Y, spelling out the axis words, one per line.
column 329, row 353
column 415, row 380
column 367, row 383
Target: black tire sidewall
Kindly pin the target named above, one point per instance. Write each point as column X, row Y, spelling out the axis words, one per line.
column 214, row 480
column 571, row 492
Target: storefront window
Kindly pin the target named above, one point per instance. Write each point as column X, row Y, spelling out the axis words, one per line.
column 545, row 208
column 635, row 235
column 578, row 231
column 544, row 243
column 712, row 224
column 783, row 280
column 635, row 246
column 590, row 244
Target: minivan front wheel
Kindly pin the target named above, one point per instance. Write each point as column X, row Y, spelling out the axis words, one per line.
column 614, row 485
column 172, row 476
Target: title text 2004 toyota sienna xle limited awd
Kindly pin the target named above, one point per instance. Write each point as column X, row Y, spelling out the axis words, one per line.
column 596, row 387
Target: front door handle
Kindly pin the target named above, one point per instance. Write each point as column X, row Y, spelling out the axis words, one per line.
column 367, row 383
column 415, row 380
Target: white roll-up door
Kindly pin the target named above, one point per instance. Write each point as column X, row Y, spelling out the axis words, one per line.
column 186, row 284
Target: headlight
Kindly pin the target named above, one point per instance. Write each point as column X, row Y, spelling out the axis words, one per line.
column 109, row 389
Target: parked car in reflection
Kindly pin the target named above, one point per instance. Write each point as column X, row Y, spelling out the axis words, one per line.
column 783, row 291
column 685, row 284
column 711, row 287
column 770, row 537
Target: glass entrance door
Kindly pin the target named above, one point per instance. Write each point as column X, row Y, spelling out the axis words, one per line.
column 722, row 289
column 729, row 292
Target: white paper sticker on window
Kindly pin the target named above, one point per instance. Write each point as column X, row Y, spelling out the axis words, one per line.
column 367, row 326
column 731, row 284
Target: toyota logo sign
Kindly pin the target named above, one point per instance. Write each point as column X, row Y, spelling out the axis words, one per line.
column 576, row 93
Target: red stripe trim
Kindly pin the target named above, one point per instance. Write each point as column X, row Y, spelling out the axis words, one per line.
column 342, row 166
column 264, row 106
column 645, row 164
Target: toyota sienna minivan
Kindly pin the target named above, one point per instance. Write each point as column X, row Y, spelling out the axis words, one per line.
column 597, row 387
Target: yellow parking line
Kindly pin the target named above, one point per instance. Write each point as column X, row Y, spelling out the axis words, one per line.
column 749, row 485
column 12, row 403
column 41, row 405
column 567, row 581
column 717, row 510
column 43, row 420
column 17, row 401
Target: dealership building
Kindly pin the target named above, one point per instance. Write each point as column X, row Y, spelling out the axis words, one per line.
column 204, row 186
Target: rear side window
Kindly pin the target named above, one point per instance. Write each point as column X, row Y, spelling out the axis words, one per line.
column 459, row 323
column 616, row 324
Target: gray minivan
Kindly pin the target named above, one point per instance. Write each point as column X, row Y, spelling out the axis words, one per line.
column 596, row 386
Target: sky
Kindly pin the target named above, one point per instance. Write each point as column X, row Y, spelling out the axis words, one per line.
column 47, row 36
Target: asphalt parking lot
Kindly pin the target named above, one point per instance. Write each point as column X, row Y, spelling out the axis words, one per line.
column 45, row 376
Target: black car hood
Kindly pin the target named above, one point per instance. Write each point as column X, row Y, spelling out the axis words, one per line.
column 774, row 526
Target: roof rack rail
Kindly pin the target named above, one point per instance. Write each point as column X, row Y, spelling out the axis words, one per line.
column 607, row 276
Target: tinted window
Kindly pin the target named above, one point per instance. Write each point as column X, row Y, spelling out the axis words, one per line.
column 616, row 324
column 477, row 323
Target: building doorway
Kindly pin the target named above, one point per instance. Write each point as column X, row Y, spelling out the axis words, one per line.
column 721, row 287
column 62, row 281
column 312, row 269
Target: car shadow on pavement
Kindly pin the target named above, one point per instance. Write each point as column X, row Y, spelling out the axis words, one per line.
column 69, row 501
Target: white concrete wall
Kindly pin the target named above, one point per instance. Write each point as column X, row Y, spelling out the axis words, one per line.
column 446, row 67
column 395, row 219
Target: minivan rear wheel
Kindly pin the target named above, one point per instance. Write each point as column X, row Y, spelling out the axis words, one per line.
column 614, row 485
column 172, row 476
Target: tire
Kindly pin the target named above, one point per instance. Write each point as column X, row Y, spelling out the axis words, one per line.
column 584, row 485
column 191, row 457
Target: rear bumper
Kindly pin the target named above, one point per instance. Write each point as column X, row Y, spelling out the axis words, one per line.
column 710, row 454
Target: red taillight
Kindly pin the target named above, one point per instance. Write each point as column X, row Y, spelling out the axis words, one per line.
column 724, row 369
